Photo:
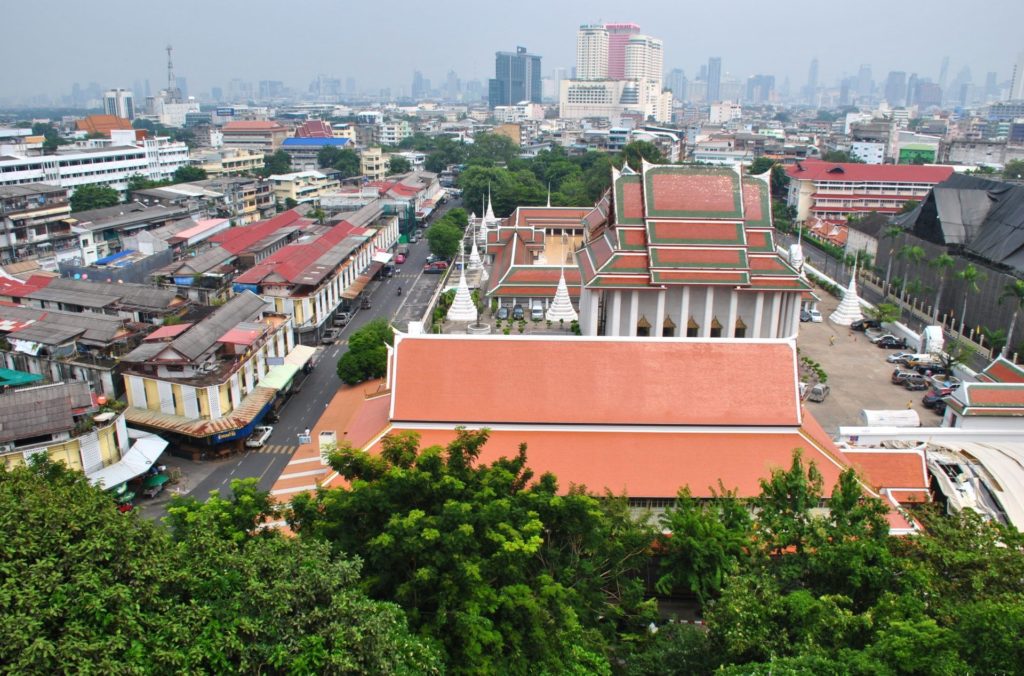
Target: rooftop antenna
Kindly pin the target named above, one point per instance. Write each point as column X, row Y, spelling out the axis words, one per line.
column 173, row 94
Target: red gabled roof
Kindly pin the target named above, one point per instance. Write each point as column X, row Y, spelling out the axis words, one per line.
column 816, row 170
column 237, row 239
column 292, row 260
column 16, row 288
column 169, row 331
column 253, row 125
column 595, row 381
column 314, row 129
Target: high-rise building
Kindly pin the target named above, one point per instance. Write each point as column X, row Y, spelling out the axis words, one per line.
column 676, row 83
column 944, row 72
column 119, row 102
column 896, row 88
column 419, row 88
column 760, row 88
column 644, row 59
column 1017, row 81
column 516, row 78
column 592, row 53
column 714, row 79
column 811, row 91
column 865, row 85
column 618, row 39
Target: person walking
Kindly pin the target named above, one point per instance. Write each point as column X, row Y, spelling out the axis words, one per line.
column 831, row 341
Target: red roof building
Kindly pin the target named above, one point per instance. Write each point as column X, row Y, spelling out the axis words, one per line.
column 257, row 135
column 685, row 250
column 833, row 191
column 314, row 129
column 621, row 414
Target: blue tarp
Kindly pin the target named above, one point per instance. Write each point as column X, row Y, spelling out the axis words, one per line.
column 113, row 257
column 314, row 142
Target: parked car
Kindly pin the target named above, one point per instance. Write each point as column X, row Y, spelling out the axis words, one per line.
column 815, row 316
column 916, row 381
column 431, row 258
column 364, row 304
column 891, row 343
column 435, row 268
column 536, row 313
column 940, row 407
column 819, row 392
column 931, row 370
column 341, row 319
column 330, row 335
column 502, row 313
column 865, row 324
column 259, row 436
column 805, row 316
column 933, row 397
column 899, row 357
column 899, row 376
column 517, row 312
column 399, row 259
column 875, row 335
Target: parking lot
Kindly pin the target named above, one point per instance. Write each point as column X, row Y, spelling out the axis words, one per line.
column 857, row 373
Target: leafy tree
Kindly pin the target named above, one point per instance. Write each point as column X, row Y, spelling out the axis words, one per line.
column 942, row 265
column 909, row 206
column 52, row 138
column 970, row 276
column 398, row 165
column 914, row 255
column 344, row 160
column 367, row 356
column 885, row 312
column 278, row 162
column 1013, row 292
column 841, row 157
column 446, row 152
column 996, row 338
column 634, row 152
column 187, row 174
column 496, row 568
column 290, row 203
column 445, row 239
column 94, row 196
column 457, row 216
column 892, row 233
column 491, row 150
column 1014, row 169
column 140, row 182
column 87, row 589
column 704, row 543
column 955, row 353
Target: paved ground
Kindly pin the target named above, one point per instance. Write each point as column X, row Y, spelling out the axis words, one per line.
column 857, row 373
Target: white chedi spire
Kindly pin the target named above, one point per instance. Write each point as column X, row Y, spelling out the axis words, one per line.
column 561, row 306
column 489, row 216
column 462, row 309
column 474, row 257
column 848, row 311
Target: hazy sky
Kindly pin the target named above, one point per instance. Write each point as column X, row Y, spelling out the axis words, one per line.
column 117, row 42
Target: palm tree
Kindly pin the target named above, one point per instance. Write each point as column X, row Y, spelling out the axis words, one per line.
column 942, row 264
column 970, row 276
column 913, row 254
column 891, row 234
column 1013, row 291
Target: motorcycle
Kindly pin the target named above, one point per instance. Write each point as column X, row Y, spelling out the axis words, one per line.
column 399, row 291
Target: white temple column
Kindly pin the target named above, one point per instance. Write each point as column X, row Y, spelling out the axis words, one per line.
column 758, row 331
column 615, row 323
column 592, row 317
column 773, row 330
column 634, row 311
column 659, row 315
column 734, row 299
column 684, row 312
column 794, row 317
column 709, row 311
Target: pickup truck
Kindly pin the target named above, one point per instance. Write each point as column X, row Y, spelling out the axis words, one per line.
column 435, row 268
column 259, row 436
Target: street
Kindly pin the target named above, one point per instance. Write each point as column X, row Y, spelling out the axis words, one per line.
column 303, row 408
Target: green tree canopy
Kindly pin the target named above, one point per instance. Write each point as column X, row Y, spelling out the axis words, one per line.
column 490, row 150
column 398, row 165
column 1014, row 169
column 96, row 196
column 87, row 589
column 367, row 355
column 344, row 160
column 187, row 174
column 278, row 162
column 636, row 151
column 445, row 239
column 841, row 156
column 508, row 575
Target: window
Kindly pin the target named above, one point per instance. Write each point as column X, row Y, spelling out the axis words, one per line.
column 692, row 329
column 716, row 328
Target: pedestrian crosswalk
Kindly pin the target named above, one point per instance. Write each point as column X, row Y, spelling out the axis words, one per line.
column 274, row 449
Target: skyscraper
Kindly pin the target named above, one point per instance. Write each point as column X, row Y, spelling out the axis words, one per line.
column 714, row 79
column 1017, row 82
column 618, row 39
column 896, row 88
column 592, row 53
column 865, row 85
column 760, row 88
column 419, row 88
column 516, row 78
column 811, row 91
column 676, row 82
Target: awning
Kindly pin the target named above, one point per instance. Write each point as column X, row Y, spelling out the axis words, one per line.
column 300, row 355
column 382, row 257
column 139, row 458
column 278, row 377
column 155, row 480
column 360, row 282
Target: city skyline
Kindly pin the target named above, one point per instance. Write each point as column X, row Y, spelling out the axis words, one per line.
column 462, row 40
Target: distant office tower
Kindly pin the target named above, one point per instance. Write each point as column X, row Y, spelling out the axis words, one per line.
column 865, row 85
column 944, row 72
column 991, row 87
column 592, row 53
column 912, row 89
column 811, row 91
column 644, row 59
column 896, row 88
column 419, row 89
column 714, row 79
column 217, row 94
column 760, row 88
column 452, row 86
column 927, row 94
column 1017, row 82
column 119, row 102
column 182, row 84
column 350, row 85
column 676, row 83
column 847, row 88
column 618, row 39
column 516, row 78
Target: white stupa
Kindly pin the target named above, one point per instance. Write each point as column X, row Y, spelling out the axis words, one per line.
column 475, row 263
column 561, row 306
column 462, row 309
column 848, row 311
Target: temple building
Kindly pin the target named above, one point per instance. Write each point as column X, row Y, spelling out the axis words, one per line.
column 684, row 250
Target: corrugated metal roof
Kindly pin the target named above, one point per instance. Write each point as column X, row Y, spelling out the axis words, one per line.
column 35, row 411
column 201, row 428
column 205, row 334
